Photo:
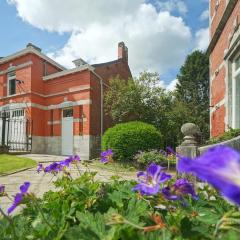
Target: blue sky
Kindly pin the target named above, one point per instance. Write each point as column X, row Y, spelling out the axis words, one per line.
column 159, row 34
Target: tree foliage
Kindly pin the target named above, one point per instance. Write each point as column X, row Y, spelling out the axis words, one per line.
column 193, row 89
column 144, row 99
column 141, row 99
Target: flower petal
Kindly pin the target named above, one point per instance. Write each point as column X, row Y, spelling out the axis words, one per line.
column 24, row 187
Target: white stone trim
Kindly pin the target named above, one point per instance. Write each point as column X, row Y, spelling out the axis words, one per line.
column 49, row 95
column 34, row 51
column 66, row 72
column 53, row 122
column 23, row 65
column 57, row 106
column 219, row 68
column 75, row 120
column 78, row 120
column 217, row 106
column 70, row 90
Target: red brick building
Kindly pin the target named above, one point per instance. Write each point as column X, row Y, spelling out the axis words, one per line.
column 224, row 51
column 65, row 105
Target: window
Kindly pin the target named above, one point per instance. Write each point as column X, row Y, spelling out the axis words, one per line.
column 237, row 64
column 12, row 87
column 236, row 92
column 11, row 81
column 5, row 114
column 18, row 113
column 67, row 112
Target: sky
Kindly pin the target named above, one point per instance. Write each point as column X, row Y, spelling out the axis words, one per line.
column 158, row 33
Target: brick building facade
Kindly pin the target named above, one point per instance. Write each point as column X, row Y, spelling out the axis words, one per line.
column 224, row 51
column 65, row 105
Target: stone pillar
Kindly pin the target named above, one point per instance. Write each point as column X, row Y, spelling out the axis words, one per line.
column 189, row 146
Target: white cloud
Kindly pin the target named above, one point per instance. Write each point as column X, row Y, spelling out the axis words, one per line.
column 205, row 15
column 62, row 16
column 172, row 85
column 202, row 39
column 173, row 5
column 157, row 41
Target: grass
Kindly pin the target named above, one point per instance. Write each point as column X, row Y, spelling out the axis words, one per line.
column 121, row 167
column 11, row 163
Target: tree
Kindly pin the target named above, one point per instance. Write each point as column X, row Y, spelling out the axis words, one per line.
column 141, row 99
column 193, row 89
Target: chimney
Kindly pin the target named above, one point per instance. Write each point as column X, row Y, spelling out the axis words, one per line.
column 122, row 52
column 79, row 62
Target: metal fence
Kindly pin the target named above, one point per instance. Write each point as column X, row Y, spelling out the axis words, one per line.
column 15, row 132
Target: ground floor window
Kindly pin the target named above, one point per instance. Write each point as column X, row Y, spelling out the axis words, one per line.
column 236, row 92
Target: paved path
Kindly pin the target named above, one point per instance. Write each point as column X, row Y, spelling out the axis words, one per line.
column 41, row 183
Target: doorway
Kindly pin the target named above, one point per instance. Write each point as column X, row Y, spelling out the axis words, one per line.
column 67, row 131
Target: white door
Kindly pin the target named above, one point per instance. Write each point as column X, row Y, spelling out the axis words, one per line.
column 67, row 131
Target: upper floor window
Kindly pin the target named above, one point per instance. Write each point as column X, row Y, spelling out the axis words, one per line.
column 11, row 76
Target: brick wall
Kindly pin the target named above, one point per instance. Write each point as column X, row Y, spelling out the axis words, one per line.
column 218, row 66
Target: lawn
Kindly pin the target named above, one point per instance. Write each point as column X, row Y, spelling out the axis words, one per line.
column 121, row 167
column 11, row 163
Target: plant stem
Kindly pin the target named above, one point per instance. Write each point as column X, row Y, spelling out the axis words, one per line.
column 42, row 214
column 11, row 223
column 79, row 172
column 132, row 224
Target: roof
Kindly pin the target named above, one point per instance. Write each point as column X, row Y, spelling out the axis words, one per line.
column 31, row 49
column 69, row 71
column 106, row 63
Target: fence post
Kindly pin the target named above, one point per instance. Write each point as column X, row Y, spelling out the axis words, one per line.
column 3, row 128
column 189, row 146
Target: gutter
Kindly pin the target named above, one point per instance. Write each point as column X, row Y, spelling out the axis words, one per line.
column 227, row 13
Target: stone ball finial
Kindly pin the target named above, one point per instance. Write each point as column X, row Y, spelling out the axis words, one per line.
column 190, row 129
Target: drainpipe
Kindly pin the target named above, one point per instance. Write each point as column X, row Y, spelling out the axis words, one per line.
column 101, row 101
column 101, row 105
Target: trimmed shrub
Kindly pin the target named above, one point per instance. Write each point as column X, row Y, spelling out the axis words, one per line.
column 126, row 139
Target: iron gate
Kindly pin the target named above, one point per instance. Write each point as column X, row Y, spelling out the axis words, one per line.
column 15, row 131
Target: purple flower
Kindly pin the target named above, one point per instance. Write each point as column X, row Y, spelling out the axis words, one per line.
column 106, row 156
column 57, row 167
column 178, row 190
column 149, row 182
column 19, row 196
column 220, row 167
column 40, row 168
column 54, row 168
column 72, row 159
column 2, row 190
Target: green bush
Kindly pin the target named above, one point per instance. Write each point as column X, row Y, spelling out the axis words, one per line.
column 143, row 159
column 126, row 139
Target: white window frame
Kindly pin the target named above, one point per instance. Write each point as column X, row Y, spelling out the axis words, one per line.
column 235, row 74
